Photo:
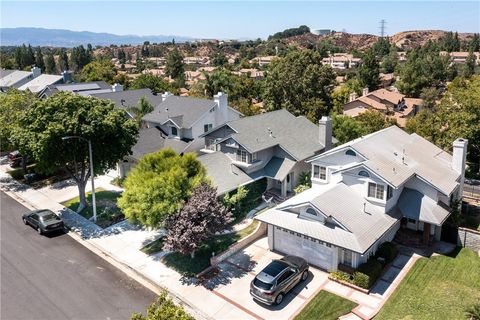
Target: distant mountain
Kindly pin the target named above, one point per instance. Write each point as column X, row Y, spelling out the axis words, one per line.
column 68, row 38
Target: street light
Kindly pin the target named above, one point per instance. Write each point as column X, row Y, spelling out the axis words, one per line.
column 91, row 171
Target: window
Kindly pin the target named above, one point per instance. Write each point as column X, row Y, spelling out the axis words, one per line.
column 207, row 127
column 174, row 131
column 242, row 155
column 254, row 157
column 389, row 192
column 350, row 153
column 364, row 173
column 210, row 144
column 319, row 172
column 284, row 276
column 311, row 211
column 375, row 190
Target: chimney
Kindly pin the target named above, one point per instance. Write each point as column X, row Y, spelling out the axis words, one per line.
column 221, row 99
column 325, row 132
column 458, row 161
column 165, row 96
column 36, row 71
column 364, row 92
column 117, row 87
column 352, row 97
column 67, row 76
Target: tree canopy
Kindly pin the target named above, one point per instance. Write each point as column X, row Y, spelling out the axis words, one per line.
column 174, row 66
column 152, row 82
column 159, row 185
column 369, row 71
column 163, row 308
column 98, row 70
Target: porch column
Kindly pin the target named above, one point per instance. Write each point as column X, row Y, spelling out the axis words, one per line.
column 284, row 187
column 426, row 232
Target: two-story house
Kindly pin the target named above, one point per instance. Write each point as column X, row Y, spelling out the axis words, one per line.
column 272, row 145
column 363, row 192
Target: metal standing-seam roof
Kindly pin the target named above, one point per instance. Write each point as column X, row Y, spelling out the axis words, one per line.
column 5, row 72
column 415, row 205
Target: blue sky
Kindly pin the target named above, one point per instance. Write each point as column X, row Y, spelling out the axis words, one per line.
column 247, row 19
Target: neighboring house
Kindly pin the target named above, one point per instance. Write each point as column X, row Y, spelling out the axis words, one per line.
column 17, row 78
column 252, row 73
column 178, row 123
column 263, row 61
column 39, row 83
column 197, row 60
column 82, row 88
column 341, row 61
column 272, row 145
column 363, row 192
column 393, row 104
column 461, row 57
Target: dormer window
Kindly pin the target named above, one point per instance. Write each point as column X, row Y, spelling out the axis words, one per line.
column 242, row 155
column 350, row 152
column 311, row 211
column 319, row 172
column 376, row 190
column 364, row 173
column 174, row 131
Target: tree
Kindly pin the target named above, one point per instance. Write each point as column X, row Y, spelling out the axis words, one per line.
column 174, row 67
column 199, row 219
column 299, row 83
column 219, row 59
column 163, row 309
column 469, row 67
column 368, row 72
column 390, row 61
column 63, row 61
column 41, row 129
column 98, row 70
column 141, row 109
column 80, row 57
column 372, row 120
column 152, row 82
column 474, row 44
column 159, row 185
column 429, row 97
column 381, row 48
column 39, row 62
column 50, row 63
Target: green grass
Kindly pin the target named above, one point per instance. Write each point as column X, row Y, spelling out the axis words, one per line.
column 190, row 267
column 107, row 211
column 154, row 246
column 326, row 306
column 440, row 287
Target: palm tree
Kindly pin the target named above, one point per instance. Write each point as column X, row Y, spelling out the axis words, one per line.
column 142, row 108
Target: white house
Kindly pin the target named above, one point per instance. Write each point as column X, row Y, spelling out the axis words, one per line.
column 362, row 192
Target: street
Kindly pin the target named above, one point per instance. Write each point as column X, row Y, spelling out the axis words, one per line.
column 54, row 277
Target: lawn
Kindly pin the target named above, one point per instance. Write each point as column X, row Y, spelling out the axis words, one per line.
column 107, row 211
column 440, row 287
column 190, row 267
column 326, row 306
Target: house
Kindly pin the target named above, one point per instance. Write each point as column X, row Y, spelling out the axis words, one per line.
column 82, row 88
column 393, row 104
column 251, row 73
column 263, row 61
column 196, row 60
column 17, row 78
column 363, row 192
column 341, row 61
column 39, row 83
column 178, row 123
column 272, row 145
column 460, row 57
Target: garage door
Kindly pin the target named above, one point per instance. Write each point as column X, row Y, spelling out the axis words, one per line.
column 295, row 244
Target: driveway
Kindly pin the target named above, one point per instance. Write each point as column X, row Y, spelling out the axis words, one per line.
column 232, row 284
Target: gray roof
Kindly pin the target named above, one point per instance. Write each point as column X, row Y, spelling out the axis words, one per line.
column 129, row 98
column 415, row 205
column 187, row 108
column 39, row 83
column 396, row 156
column 5, row 72
column 276, row 168
column 90, row 87
column 14, row 77
column 296, row 135
column 151, row 140
column 224, row 175
column 363, row 227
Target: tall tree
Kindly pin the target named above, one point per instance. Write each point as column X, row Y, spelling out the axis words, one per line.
column 50, row 64
column 39, row 62
column 30, row 57
column 299, row 83
column 199, row 219
column 369, row 71
column 469, row 66
column 63, row 61
column 41, row 129
column 98, row 70
column 152, row 82
column 174, row 66
column 159, row 185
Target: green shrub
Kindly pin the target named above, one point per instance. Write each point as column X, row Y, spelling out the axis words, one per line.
column 300, row 188
column 340, row 275
column 387, row 251
column 372, row 268
column 362, row 280
column 16, row 174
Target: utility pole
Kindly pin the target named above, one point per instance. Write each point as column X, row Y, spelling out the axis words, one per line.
column 382, row 27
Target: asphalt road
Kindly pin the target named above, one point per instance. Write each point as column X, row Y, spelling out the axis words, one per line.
column 57, row 278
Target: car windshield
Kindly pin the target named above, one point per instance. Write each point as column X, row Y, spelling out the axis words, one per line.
column 274, row 268
column 49, row 217
column 262, row 285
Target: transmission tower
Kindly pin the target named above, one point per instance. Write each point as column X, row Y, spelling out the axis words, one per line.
column 383, row 26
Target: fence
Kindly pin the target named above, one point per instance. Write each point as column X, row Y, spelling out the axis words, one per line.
column 469, row 238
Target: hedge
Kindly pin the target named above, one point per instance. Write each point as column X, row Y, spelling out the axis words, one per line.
column 387, row 251
column 372, row 268
column 362, row 280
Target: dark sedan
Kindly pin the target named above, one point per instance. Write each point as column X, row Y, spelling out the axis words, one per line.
column 272, row 284
column 44, row 221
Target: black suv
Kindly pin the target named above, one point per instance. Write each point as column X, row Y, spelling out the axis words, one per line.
column 272, row 284
column 43, row 220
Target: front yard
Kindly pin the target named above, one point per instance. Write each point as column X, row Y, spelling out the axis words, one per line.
column 107, row 211
column 326, row 306
column 440, row 287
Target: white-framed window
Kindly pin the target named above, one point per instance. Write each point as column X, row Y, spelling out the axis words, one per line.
column 389, row 192
column 210, row 144
column 254, row 157
column 174, row 131
column 376, row 190
column 207, row 127
column 319, row 172
column 242, row 155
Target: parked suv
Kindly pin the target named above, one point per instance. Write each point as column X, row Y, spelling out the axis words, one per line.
column 43, row 221
column 272, row 284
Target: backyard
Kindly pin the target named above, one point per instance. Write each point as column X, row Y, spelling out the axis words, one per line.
column 326, row 306
column 107, row 211
column 440, row 287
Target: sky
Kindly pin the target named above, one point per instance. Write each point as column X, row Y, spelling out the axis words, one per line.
column 239, row 20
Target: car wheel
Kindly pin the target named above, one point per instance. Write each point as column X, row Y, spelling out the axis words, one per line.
column 304, row 275
column 39, row 230
column 279, row 299
column 24, row 221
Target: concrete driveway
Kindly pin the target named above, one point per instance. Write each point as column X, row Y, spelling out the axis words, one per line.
column 233, row 283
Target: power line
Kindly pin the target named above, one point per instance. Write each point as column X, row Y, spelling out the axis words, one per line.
column 382, row 27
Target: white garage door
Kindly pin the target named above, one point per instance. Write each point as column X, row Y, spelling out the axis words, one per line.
column 291, row 243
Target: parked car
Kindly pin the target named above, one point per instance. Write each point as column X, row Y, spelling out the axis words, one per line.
column 44, row 221
column 272, row 284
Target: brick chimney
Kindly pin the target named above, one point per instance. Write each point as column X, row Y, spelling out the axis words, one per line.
column 459, row 161
column 325, row 132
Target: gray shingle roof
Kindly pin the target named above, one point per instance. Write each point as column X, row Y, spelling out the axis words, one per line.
column 415, row 205
column 364, row 227
column 129, row 98
column 191, row 109
column 276, row 168
column 151, row 140
column 296, row 135
column 5, row 72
